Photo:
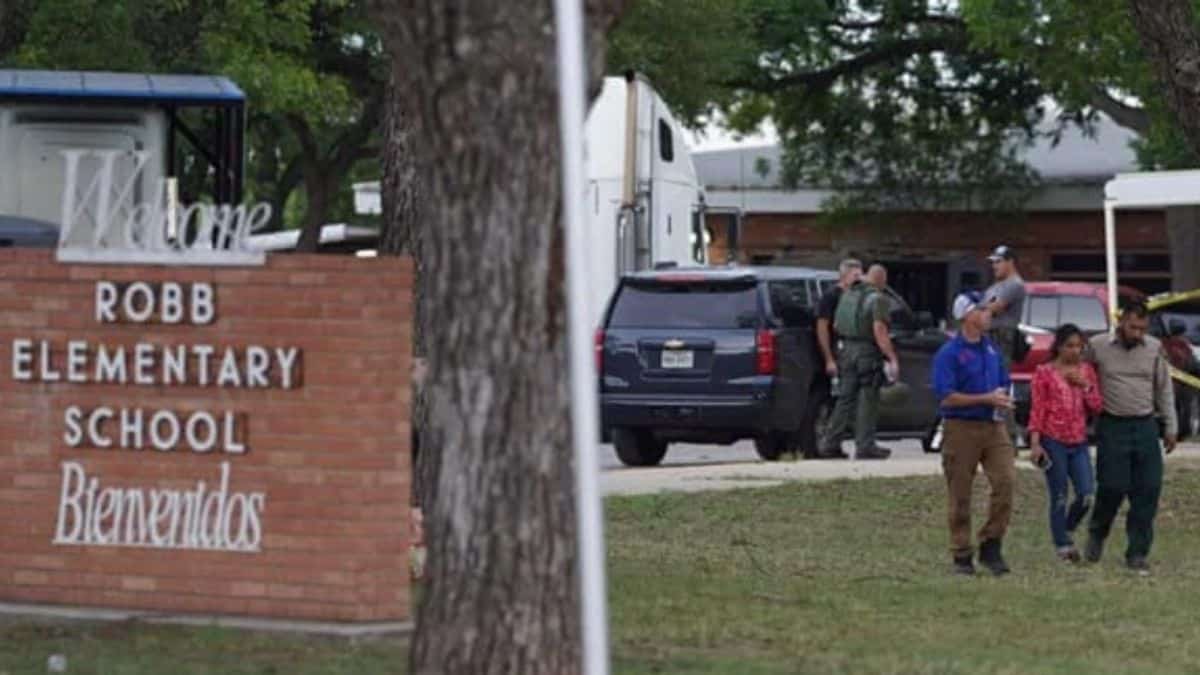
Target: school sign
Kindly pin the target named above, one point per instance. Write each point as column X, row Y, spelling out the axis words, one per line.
column 205, row 439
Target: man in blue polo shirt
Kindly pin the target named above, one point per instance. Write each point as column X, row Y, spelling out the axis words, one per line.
column 971, row 382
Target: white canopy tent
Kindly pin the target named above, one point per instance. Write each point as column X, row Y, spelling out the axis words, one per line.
column 1152, row 189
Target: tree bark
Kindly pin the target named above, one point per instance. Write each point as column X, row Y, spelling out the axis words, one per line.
column 1167, row 29
column 400, row 234
column 320, row 186
column 478, row 83
column 1168, row 33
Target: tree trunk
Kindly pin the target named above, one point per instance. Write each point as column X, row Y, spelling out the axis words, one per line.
column 400, row 234
column 320, row 186
column 478, row 84
column 1169, row 35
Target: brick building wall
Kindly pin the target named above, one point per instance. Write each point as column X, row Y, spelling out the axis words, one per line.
column 328, row 455
column 1053, row 244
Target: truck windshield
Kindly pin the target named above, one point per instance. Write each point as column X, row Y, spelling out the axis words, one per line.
column 686, row 305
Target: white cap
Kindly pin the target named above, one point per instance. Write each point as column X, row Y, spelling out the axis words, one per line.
column 966, row 303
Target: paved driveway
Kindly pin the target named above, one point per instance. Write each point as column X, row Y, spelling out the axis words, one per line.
column 692, row 468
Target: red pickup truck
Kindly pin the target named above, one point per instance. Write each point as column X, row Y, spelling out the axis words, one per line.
column 1050, row 304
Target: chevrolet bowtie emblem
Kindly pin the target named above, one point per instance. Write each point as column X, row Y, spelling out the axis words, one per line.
column 673, row 344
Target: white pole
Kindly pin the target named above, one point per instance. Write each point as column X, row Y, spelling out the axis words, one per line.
column 1110, row 256
column 589, row 512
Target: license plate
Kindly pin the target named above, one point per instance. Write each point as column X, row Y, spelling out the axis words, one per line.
column 678, row 358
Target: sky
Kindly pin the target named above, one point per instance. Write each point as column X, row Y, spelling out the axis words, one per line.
column 713, row 137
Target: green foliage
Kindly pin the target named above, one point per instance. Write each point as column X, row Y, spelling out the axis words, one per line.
column 1083, row 51
column 312, row 70
column 904, row 103
column 687, row 49
column 886, row 100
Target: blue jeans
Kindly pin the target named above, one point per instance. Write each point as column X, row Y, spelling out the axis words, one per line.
column 1069, row 462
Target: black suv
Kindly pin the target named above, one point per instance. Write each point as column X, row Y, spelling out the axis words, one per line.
column 717, row 355
column 707, row 355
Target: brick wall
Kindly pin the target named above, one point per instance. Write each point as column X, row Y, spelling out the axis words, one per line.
column 938, row 236
column 330, row 456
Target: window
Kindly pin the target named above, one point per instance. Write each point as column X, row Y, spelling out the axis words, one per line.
column 1147, row 271
column 686, row 305
column 1085, row 312
column 791, row 302
column 666, row 142
column 1043, row 311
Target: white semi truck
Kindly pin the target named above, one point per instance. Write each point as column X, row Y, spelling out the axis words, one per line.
column 644, row 200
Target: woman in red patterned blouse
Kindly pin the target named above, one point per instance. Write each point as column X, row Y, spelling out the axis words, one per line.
column 1065, row 392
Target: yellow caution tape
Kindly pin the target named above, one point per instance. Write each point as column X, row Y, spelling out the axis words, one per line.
column 1162, row 300
column 1167, row 299
column 1180, row 376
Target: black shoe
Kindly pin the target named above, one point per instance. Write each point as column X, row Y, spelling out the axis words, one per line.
column 875, row 452
column 832, row 453
column 1094, row 549
column 1138, row 565
column 963, row 565
column 991, row 558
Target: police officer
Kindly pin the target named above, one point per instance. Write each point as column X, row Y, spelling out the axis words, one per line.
column 849, row 271
column 861, row 321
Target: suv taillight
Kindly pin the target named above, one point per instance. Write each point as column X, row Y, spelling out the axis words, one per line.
column 764, row 343
column 599, row 344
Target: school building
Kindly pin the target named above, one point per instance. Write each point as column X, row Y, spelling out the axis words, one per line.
column 753, row 218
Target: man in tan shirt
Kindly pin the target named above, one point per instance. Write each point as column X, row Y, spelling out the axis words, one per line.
column 1136, row 384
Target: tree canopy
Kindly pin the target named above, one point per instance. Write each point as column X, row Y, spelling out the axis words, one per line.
column 313, row 71
column 903, row 103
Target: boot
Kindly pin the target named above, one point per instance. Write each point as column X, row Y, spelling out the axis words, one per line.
column 991, row 557
column 832, row 453
column 1094, row 549
column 964, row 566
column 1139, row 566
column 875, row 452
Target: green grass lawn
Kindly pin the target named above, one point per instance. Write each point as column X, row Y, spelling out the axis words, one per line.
column 141, row 649
column 845, row 577
column 853, row 577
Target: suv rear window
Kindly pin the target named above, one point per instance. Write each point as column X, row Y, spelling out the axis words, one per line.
column 1051, row 311
column 686, row 305
column 1085, row 312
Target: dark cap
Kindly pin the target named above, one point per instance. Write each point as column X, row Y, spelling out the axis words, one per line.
column 1002, row 252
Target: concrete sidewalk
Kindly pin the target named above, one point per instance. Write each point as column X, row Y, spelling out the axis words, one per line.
column 698, row 478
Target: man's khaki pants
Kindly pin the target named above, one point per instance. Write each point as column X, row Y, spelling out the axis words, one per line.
column 966, row 445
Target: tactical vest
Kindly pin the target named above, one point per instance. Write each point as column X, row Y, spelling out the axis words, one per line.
column 853, row 319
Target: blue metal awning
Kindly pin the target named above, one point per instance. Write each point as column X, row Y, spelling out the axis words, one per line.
column 131, row 87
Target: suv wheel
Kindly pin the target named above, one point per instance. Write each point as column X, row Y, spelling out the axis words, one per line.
column 812, row 427
column 772, row 445
column 638, row 448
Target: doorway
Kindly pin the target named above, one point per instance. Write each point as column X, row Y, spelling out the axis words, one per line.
column 921, row 284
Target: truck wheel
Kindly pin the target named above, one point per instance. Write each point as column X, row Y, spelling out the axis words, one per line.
column 812, row 427
column 638, row 448
column 771, row 446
